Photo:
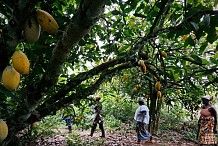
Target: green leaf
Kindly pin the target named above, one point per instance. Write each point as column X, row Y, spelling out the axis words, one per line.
column 213, row 60
column 211, row 34
column 206, row 20
column 176, row 69
column 200, row 32
column 205, row 61
column 127, row 10
column 214, row 21
column 192, row 84
column 171, row 74
column 207, row 72
column 115, row 12
column 195, row 25
column 203, row 47
column 134, row 3
column 216, row 55
column 196, row 58
column 122, row 6
column 141, row 7
column 8, row 93
column 170, row 34
column 189, row 41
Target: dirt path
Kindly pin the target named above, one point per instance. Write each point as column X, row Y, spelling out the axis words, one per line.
column 129, row 139
column 113, row 138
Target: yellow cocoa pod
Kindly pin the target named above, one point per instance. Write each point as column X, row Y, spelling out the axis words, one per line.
column 157, row 85
column 3, row 130
column 78, row 118
column 159, row 94
column 163, row 54
column 178, row 91
column 34, row 124
column 32, row 30
column 141, row 62
column 47, row 22
column 135, row 89
column 10, row 78
column 138, row 85
column 143, row 68
column 20, row 62
column 155, row 78
column 184, row 37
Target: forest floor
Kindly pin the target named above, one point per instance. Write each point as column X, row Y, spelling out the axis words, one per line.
column 113, row 138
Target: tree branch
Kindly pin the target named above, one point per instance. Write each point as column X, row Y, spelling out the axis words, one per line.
column 163, row 3
column 64, row 101
column 88, row 13
column 77, row 80
column 86, row 16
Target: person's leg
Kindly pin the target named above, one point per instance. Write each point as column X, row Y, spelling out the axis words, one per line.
column 93, row 129
column 70, row 127
column 138, row 132
column 102, row 129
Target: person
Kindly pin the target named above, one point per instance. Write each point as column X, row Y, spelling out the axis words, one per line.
column 142, row 120
column 207, row 123
column 97, row 118
column 69, row 117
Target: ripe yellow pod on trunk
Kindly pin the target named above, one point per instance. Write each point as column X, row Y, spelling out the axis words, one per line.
column 3, row 130
column 34, row 124
column 157, row 85
column 46, row 21
column 163, row 54
column 178, row 91
column 159, row 94
column 32, row 30
column 20, row 62
column 10, row 78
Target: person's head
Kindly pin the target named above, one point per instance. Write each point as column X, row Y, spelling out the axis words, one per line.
column 97, row 98
column 206, row 99
column 141, row 101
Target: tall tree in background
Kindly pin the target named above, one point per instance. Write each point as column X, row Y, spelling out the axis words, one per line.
column 109, row 41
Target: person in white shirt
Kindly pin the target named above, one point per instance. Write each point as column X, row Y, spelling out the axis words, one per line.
column 142, row 120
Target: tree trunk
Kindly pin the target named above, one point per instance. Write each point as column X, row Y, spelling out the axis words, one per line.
column 87, row 15
column 155, row 109
column 153, row 105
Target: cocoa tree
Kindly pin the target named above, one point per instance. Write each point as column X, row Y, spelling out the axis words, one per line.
column 112, row 40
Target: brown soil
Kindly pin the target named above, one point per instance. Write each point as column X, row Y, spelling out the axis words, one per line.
column 113, row 138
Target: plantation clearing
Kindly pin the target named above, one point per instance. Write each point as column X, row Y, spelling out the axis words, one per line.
column 113, row 138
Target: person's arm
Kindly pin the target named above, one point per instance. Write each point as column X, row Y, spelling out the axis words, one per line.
column 98, row 109
column 214, row 113
column 198, row 129
column 143, row 115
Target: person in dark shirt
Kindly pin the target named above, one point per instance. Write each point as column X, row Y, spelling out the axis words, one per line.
column 97, row 118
